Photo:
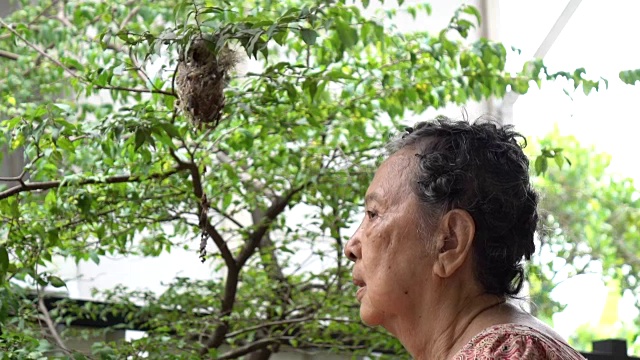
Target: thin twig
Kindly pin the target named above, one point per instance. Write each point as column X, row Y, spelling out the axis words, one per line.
column 62, row 17
column 53, row 3
column 129, row 17
column 40, row 51
column 269, row 324
column 227, row 216
column 136, row 90
column 138, row 68
column 52, row 328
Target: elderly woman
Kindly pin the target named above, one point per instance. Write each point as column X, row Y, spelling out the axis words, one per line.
column 450, row 215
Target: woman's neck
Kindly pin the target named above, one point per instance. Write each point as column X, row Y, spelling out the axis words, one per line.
column 435, row 333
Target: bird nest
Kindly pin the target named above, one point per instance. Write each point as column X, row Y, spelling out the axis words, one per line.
column 202, row 75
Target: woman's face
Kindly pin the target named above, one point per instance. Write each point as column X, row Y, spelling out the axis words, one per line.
column 392, row 262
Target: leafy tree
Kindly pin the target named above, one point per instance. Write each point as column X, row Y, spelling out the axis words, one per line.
column 165, row 156
column 591, row 220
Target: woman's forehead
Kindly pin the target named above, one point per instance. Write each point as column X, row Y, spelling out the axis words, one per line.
column 392, row 177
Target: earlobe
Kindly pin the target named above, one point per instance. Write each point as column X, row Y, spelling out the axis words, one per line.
column 454, row 242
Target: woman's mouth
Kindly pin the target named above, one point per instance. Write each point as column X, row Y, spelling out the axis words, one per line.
column 360, row 293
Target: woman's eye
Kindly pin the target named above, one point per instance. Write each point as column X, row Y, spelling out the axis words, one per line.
column 372, row 215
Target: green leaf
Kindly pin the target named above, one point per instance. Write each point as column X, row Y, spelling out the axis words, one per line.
column 124, row 36
column 347, row 34
column 471, row 10
column 413, row 57
column 56, row 282
column 170, row 129
column 94, row 257
column 413, row 12
column 521, row 86
column 140, row 138
column 65, row 144
column 72, row 63
column 247, row 137
column 541, row 164
column 4, row 259
column 559, row 158
column 311, row 85
column 630, row 76
column 309, row 36
column 226, row 200
column 280, row 37
column 64, row 107
column 587, row 86
column 292, row 92
column 51, row 199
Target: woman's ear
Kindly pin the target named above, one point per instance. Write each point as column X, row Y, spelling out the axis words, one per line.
column 454, row 241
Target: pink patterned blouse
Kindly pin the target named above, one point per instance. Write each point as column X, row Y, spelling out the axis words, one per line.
column 515, row 342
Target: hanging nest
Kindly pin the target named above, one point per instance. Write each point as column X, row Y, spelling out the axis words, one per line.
column 202, row 75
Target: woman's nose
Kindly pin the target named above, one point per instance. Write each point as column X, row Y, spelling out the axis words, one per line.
column 353, row 248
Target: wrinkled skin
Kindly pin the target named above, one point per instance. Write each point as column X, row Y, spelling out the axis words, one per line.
column 389, row 248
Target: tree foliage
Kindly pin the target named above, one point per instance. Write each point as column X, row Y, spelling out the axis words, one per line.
column 590, row 226
column 116, row 166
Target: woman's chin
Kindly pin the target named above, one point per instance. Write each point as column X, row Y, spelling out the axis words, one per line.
column 370, row 317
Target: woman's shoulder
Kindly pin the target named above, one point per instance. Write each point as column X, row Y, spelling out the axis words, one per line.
column 516, row 342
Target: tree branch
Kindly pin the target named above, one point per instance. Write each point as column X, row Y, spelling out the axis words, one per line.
column 228, row 217
column 221, row 244
column 233, row 270
column 40, row 51
column 19, row 178
column 272, row 267
column 136, row 90
column 277, row 207
column 45, row 185
column 9, row 55
column 269, row 324
column 203, row 206
column 52, row 328
column 62, row 17
column 129, row 17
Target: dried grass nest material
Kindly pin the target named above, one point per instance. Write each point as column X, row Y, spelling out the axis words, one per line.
column 202, row 75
